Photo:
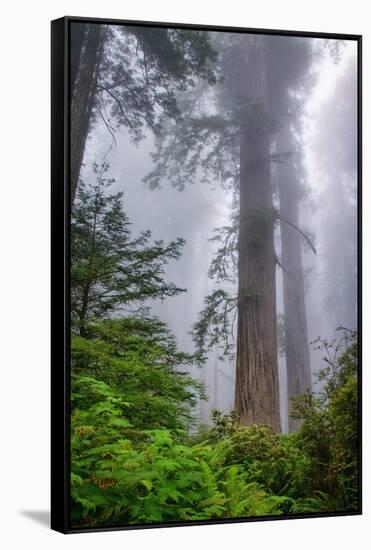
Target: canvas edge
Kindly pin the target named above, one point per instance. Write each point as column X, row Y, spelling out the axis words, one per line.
column 59, row 278
column 60, row 221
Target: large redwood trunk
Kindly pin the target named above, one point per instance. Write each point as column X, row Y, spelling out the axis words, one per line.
column 85, row 79
column 296, row 333
column 256, row 391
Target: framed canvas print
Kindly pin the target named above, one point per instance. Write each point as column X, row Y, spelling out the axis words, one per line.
column 206, row 191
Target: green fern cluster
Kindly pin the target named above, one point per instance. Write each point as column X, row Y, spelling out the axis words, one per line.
column 129, row 471
column 136, row 454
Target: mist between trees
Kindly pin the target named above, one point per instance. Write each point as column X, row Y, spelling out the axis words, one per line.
column 214, row 274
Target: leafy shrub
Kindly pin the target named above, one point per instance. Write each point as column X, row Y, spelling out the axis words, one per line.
column 123, row 475
column 138, row 357
column 133, row 460
column 329, row 435
column 269, row 459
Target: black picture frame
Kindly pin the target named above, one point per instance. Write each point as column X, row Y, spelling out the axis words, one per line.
column 60, row 268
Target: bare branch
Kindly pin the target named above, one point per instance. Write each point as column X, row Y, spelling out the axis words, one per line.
column 116, row 99
column 300, row 231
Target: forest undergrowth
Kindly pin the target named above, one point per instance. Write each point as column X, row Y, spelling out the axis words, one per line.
column 138, row 454
column 135, row 458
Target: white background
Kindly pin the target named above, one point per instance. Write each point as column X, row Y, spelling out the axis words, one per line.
column 24, row 234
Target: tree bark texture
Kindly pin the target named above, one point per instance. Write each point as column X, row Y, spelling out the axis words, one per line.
column 83, row 94
column 256, row 390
